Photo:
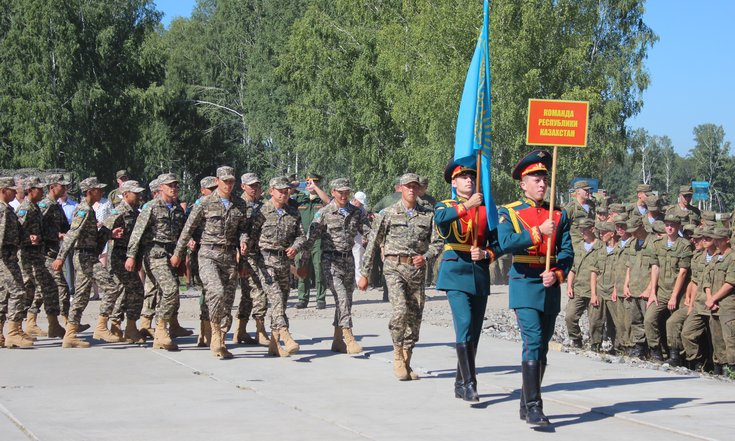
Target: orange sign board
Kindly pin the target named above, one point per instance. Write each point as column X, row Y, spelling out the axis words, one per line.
column 557, row 123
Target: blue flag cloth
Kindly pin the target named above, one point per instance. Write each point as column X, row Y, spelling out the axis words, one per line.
column 474, row 132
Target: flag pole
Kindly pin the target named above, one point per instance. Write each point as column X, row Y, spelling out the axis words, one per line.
column 552, row 198
column 476, row 230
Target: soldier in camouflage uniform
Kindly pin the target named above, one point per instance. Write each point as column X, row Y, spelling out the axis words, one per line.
column 153, row 240
column 695, row 334
column 224, row 221
column 579, row 207
column 124, row 216
column 406, row 232
column 115, row 196
column 87, row 242
column 336, row 225
column 720, row 300
column 12, row 290
column 37, row 279
column 207, row 185
column 602, row 281
column 684, row 210
column 653, row 213
column 151, row 291
column 252, row 295
column 638, row 283
column 278, row 233
column 639, row 207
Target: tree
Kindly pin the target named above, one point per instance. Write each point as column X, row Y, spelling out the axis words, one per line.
column 710, row 154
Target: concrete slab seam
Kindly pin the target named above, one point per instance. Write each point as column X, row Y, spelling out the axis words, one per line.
column 9, row 415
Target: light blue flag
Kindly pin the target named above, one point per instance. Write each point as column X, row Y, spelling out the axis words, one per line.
column 474, row 120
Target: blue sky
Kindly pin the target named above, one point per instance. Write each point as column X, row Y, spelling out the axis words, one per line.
column 689, row 66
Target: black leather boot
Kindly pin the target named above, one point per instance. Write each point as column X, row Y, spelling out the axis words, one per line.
column 656, row 354
column 717, row 369
column 466, row 389
column 523, row 411
column 674, row 357
column 532, row 392
column 473, row 372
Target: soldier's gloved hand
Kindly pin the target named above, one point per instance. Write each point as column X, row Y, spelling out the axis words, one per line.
column 418, row 261
column 547, row 227
column 474, row 201
column 130, row 264
column 362, row 283
column 291, row 252
column 57, row 265
column 175, row 261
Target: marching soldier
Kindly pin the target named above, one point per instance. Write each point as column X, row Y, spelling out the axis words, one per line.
column 336, row 225
column 151, row 291
column 404, row 230
column 224, row 222
column 464, row 274
column 207, row 185
column 535, row 294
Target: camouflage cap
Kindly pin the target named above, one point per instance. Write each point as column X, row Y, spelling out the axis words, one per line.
column 725, row 216
column 652, row 203
column 605, row 227
column 121, row 174
column 602, row 208
column 586, row 223
column 340, row 184
column 252, row 178
column 208, row 182
column 280, row 183
column 722, row 233
column 132, row 186
column 32, row 182
column 671, row 217
column 225, row 173
column 7, row 182
column 621, row 218
column 633, row 224
column 658, row 227
column 167, row 178
column 423, row 181
column 643, row 188
column 616, row 208
column 56, row 179
column 685, row 189
column 408, row 178
column 709, row 216
column 91, row 183
column 697, row 233
column 154, row 185
column 582, row 184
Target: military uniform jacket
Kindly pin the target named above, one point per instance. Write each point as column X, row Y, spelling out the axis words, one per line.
column 223, row 228
column 122, row 216
column 308, row 207
column 83, row 234
column 620, row 264
column 699, row 266
column 518, row 233
column 54, row 223
column 670, row 260
column 115, row 197
column 252, row 208
column 30, row 219
column 273, row 230
column 9, row 231
column 584, row 264
column 640, row 257
column 456, row 227
column 603, row 264
column 337, row 228
column 688, row 215
column 721, row 271
column 157, row 227
column 575, row 213
column 402, row 233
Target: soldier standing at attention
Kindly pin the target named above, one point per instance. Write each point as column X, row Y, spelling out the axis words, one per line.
column 308, row 204
column 535, row 294
column 224, row 222
column 10, row 273
column 37, row 279
column 579, row 289
column 721, row 302
column 86, row 241
column 579, row 207
column 670, row 267
column 406, row 232
column 695, row 333
column 124, row 216
column 252, row 295
column 464, row 273
column 336, row 225
column 602, row 281
column 639, row 284
column 153, row 240
column 277, row 231
column 115, row 196
column 620, row 268
column 687, row 213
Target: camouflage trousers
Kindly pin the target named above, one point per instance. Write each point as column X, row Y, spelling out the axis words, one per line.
column 675, row 326
column 405, row 285
column 622, row 333
column 166, row 282
column 574, row 310
column 12, row 293
column 635, row 310
column 131, row 301
column 719, row 347
column 726, row 321
column 89, row 269
column 274, row 272
column 613, row 321
column 696, row 336
column 151, row 291
column 338, row 273
column 38, row 282
column 654, row 322
column 61, row 286
column 218, row 271
column 252, row 295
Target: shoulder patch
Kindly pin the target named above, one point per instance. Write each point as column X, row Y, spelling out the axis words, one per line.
column 42, row 204
column 198, row 201
column 22, row 212
column 81, row 213
column 318, row 215
column 145, row 206
column 114, row 211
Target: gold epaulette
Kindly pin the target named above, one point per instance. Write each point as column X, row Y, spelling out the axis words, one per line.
column 513, row 204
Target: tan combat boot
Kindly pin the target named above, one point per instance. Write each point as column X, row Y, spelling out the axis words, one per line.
column 54, row 328
column 407, row 353
column 241, row 334
column 132, row 334
column 2, row 334
column 65, row 319
column 353, row 347
column 205, row 334
column 288, row 342
column 274, row 347
column 32, row 326
column 260, row 333
column 146, row 327
column 116, row 330
column 70, row 337
column 26, row 335
column 102, row 333
column 175, row 329
column 217, row 345
column 338, row 345
column 162, row 339
column 14, row 339
column 399, row 364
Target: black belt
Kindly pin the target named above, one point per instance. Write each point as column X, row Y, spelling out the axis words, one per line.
column 343, row 254
column 279, row 253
